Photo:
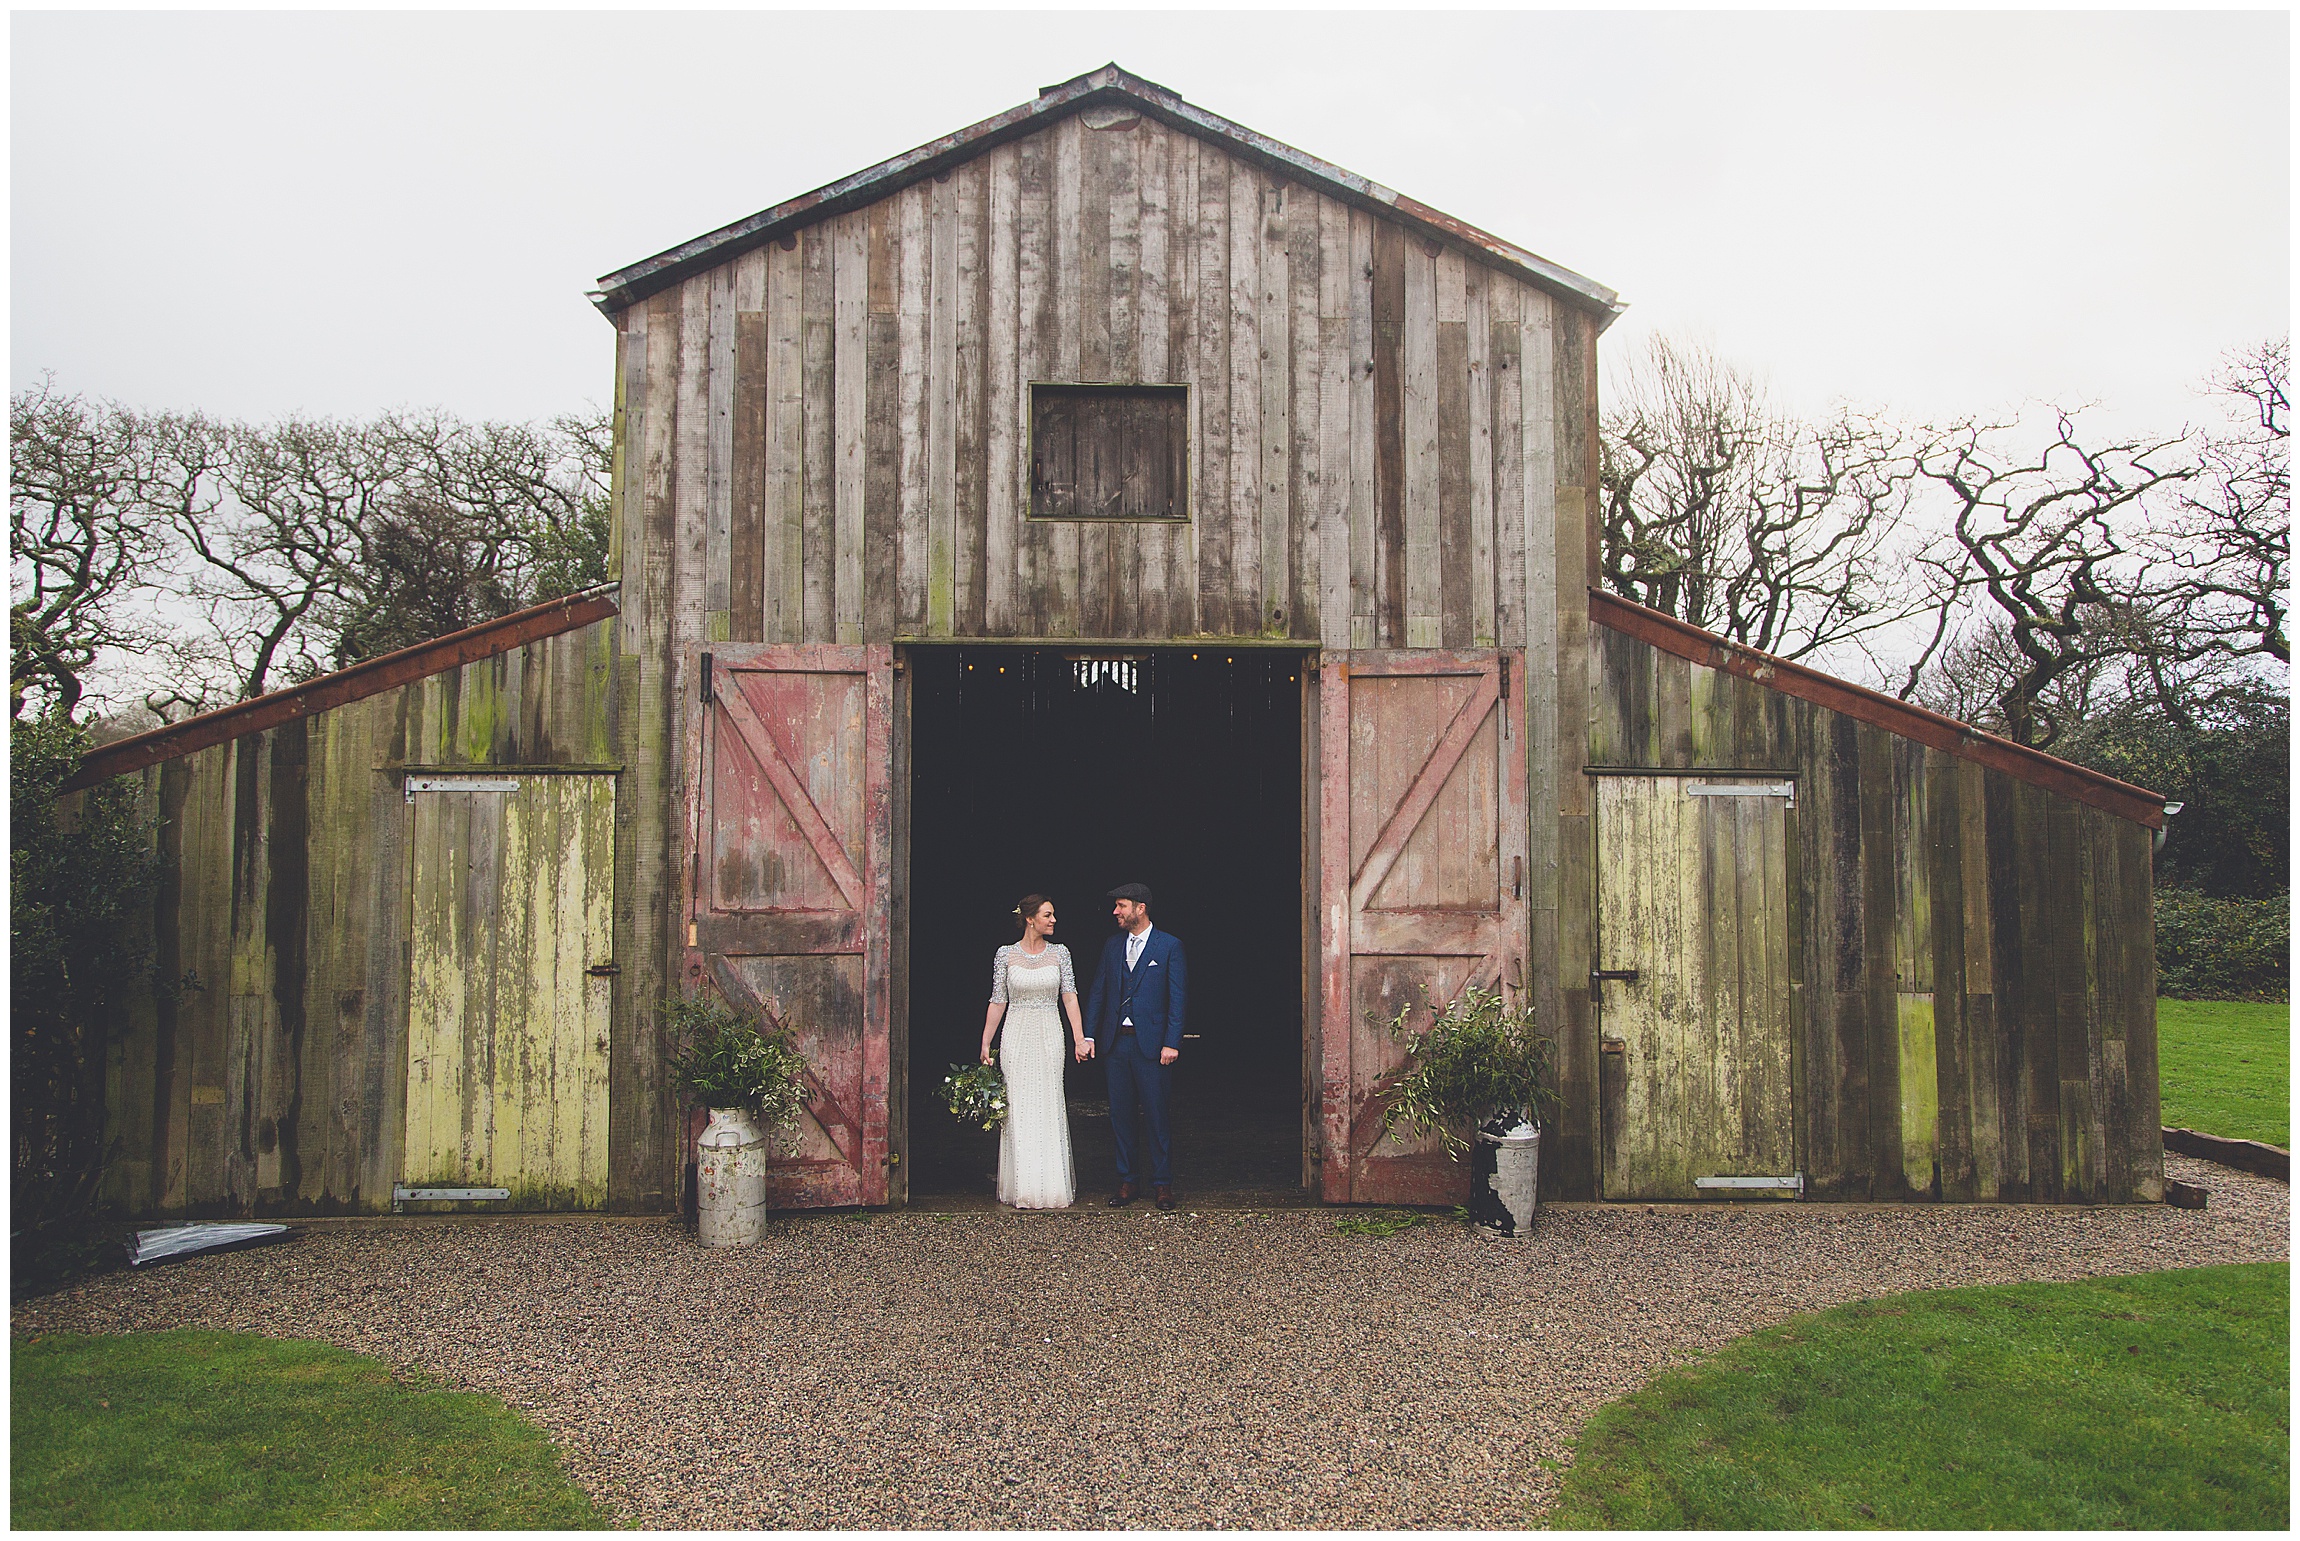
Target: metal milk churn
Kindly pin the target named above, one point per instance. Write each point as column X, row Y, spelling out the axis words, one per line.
column 731, row 1180
column 1506, row 1209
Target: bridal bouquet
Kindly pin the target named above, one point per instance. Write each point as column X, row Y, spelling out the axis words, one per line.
column 976, row 1094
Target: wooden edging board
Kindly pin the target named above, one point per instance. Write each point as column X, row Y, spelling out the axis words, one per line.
column 2244, row 1155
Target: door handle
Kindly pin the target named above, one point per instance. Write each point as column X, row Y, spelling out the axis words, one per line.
column 1625, row 975
column 604, row 970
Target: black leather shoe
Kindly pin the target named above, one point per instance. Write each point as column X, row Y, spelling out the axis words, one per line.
column 1123, row 1197
column 1164, row 1195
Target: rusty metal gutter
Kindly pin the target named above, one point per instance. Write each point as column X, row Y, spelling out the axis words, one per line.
column 174, row 740
column 1930, row 728
column 1107, row 86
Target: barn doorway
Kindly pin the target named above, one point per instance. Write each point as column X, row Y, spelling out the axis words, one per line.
column 1067, row 772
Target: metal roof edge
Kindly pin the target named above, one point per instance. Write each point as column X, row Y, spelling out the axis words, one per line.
column 627, row 286
column 373, row 676
column 1874, row 707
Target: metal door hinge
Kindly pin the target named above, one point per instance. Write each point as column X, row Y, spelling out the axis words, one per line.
column 1793, row 1183
column 417, row 784
column 1625, row 975
column 604, row 970
column 401, row 1194
column 1785, row 790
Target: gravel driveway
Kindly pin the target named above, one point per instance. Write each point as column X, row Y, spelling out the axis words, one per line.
column 1099, row 1369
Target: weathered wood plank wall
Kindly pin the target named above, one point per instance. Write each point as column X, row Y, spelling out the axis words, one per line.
column 1974, row 956
column 269, row 1076
column 839, row 420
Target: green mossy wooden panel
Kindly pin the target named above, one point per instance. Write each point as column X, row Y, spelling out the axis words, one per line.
column 512, row 901
column 1974, row 979
column 266, row 1072
column 1920, row 1091
column 1693, row 895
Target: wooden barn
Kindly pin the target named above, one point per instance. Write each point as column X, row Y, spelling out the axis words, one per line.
column 1102, row 493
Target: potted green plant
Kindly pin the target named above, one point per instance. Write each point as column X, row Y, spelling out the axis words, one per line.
column 751, row 1077
column 1480, row 1071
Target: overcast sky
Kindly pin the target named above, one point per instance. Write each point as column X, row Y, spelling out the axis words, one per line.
column 257, row 214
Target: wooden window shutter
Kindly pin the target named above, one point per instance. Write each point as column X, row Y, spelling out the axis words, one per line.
column 1109, row 452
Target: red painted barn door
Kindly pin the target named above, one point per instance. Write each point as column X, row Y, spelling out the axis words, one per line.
column 787, row 881
column 1422, row 832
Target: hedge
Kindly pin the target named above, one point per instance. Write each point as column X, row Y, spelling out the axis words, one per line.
column 2223, row 949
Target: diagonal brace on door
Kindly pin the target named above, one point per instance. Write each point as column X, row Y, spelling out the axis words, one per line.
column 1423, row 794
column 752, row 734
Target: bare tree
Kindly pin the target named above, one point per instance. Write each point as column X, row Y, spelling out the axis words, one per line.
column 214, row 560
column 78, row 544
column 479, row 519
column 1785, row 535
column 333, row 542
column 274, row 560
column 2051, row 542
column 2230, row 541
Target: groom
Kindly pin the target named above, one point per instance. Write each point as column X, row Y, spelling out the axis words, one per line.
column 1134, row 1012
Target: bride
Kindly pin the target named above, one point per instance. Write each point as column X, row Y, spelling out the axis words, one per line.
column 1025, row 983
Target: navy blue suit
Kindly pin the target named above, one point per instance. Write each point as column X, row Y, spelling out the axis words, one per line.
column 1154, row 994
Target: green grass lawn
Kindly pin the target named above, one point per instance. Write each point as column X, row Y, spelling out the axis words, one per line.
column 2225, row 1067
column 2157, row 1401
column 226, row 1431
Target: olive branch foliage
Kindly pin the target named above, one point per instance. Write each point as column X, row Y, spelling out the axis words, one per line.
column 1482, row 1056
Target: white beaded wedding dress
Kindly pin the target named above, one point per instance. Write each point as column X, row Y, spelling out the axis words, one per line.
column 1034, row 1143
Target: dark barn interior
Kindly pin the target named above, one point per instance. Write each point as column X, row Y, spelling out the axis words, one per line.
column 1067, row 773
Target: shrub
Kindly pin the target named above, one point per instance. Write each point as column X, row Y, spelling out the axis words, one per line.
column 2223, row 949
column 77, row 874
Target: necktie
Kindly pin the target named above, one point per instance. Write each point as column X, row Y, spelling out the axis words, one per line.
column 1133, row 950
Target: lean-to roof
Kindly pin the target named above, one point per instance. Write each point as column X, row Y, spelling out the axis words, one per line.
column 174, row 740
column 1900, row 718
column 1112, row 87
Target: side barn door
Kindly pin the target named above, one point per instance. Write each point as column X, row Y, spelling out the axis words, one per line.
column 1696, row 1083
column 1422, row 833
column 787, row 862
column 511, row 942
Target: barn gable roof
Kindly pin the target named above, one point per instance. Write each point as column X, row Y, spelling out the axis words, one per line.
column 1107, row 86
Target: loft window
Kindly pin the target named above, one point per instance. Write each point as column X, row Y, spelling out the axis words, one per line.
column 1108, row 452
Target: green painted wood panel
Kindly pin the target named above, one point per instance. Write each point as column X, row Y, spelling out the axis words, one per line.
column 512, row 899
column 1693, row 895
column 1977, row 950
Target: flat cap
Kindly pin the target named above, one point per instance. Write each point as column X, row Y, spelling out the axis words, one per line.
column 1138, row 892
